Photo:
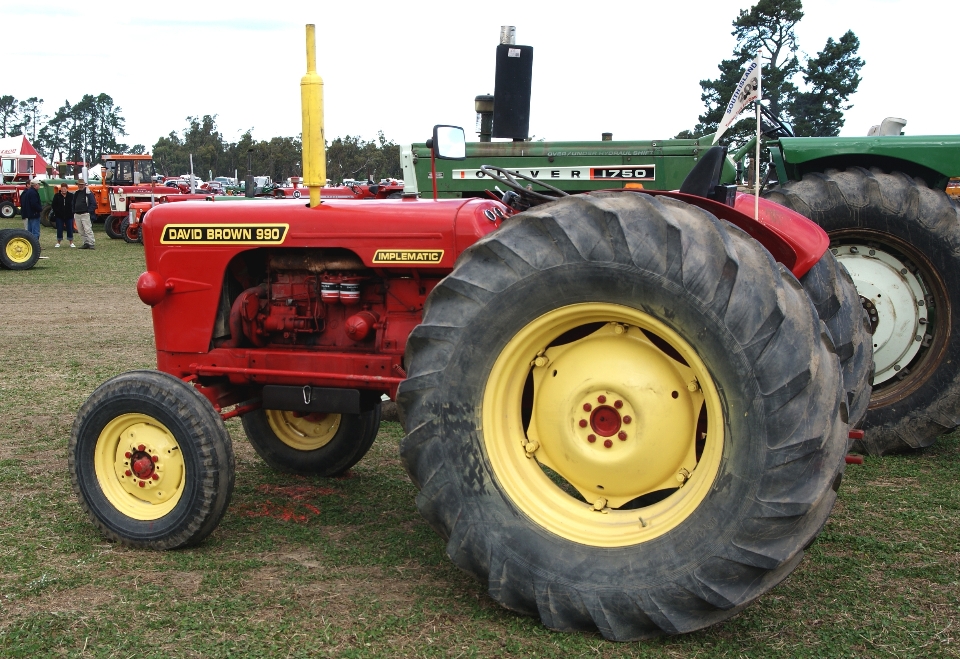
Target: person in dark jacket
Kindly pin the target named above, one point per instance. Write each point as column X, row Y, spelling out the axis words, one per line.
column 31, row 208
column 84, row 203
column 63, row 213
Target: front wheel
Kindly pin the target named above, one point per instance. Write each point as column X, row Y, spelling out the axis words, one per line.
column 311, row 444
column 7, row 209
column 151, row 461
column 898, row 239
column 130, row 232
column 111, row 225
column 622, row 416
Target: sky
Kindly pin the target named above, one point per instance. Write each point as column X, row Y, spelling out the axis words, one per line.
column 629, row 67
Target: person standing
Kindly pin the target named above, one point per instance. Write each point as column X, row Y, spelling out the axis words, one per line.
column 31, row 208
column 63, row 213
column 84, row 203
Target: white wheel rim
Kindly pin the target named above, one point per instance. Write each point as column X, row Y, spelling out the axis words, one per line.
column 899, row 297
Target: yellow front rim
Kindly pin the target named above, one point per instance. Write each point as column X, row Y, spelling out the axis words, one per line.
column 591, row 407
column 19, row 250
column 303, row 432
column 139, row 466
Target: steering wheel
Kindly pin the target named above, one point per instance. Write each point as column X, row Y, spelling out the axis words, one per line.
column 500, row 175
column 777, row 127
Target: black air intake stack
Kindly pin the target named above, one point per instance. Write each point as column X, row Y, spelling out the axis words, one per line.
column 511, row 105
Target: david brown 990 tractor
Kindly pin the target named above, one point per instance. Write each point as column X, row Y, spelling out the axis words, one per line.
column 622, row 410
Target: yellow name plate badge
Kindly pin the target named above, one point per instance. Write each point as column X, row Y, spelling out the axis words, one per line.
column 220, row 234
column 408, row 256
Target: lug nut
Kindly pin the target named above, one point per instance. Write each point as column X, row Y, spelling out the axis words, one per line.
column 627, row 419
column 608, row 443
column 587, row 407
column 618, row 404
column 128, row 472
column 128, row 454
column 155, row 477
column 591, row 438
column 583, row 423
column 601, row 399
column 141, row 448
column 140, row 483
column 622, row 435
column 155, row 458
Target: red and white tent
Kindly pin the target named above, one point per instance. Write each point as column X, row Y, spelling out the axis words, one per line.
column 19, row 145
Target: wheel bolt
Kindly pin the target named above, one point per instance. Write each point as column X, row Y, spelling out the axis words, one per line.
column 607, row 443
column 601, row 399
column 155, row 458
column 156, row 477
column 141, row 448
column 140, row 483
column 587, row 407
column 128, row 454
column 627, row 419
column 618, row 404
column 583, row 423
column 591, row 438
column 128, row 472
column 622, row 435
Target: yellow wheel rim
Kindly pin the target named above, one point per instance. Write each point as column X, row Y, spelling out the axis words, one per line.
column 19, row 250
column 614, row 410
column 306, row 432
column 139, row 466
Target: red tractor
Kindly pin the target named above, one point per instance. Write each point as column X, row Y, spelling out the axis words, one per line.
column 624, row 411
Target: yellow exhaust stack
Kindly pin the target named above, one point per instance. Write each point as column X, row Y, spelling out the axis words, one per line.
column 311, row 101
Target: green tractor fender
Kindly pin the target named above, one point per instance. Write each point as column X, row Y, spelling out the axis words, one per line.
column 933, row 158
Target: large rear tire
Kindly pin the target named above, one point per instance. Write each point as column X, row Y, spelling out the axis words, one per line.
column 623, row 416
column 151, row 461
column 834, row 295
column 899, row 240
column 45, row 217
column 311, row 444
column 19, row 249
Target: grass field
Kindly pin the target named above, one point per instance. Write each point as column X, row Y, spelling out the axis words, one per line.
column 346, row 567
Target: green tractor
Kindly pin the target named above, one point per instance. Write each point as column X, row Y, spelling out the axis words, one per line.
column 882, row 199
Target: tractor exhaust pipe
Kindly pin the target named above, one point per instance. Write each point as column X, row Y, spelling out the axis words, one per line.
column 311, row 102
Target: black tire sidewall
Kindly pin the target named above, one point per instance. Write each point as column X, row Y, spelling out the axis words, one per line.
column 705, row 532
column 9, row 234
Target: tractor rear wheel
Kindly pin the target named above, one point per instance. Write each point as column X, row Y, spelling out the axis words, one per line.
column 45, row 217
column 19, row 249
column 151, row 461
column 622, row 415
column 311, row 444
column 839, row 306
column 7, row 209
column 898, row 239
column 130, row 232
column 112, row 226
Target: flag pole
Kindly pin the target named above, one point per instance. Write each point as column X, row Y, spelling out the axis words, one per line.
column 756, row 191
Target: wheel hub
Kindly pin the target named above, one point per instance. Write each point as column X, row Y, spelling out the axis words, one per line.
column 897, row 301
column 148, row 463
column 19, row 250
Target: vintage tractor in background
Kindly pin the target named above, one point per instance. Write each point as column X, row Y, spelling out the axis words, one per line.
column 623, row 410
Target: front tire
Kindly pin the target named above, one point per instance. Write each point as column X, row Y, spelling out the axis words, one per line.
column 111, row 225
column 550, row 333
column 311, row 444
column 7, row 209
column 130, row 232
column 898, row 239
column 151, row 461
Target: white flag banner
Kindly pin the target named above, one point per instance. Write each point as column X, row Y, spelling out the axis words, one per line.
column 747, row 91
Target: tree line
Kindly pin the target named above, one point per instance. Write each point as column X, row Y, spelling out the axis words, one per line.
column 84, row 131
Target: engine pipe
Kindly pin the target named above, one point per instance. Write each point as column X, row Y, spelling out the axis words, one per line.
column 311, row 103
